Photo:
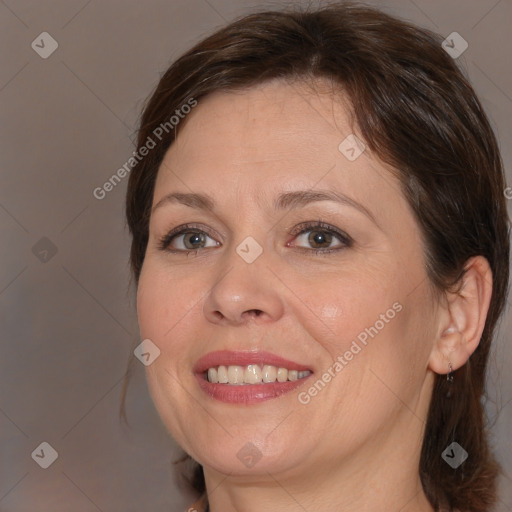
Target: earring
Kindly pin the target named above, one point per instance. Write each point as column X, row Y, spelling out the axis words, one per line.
column 449, row 378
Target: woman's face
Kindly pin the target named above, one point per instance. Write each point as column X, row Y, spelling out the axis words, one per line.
column 348, row 300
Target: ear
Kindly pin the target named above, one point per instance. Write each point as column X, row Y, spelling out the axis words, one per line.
column 461, row 318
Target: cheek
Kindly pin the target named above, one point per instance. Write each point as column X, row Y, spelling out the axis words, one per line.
column 374, row 324
column 340, row 307
column 158, row 312
column 397, row 350
column 162, row 301
column 164, row 315
column 152, row 304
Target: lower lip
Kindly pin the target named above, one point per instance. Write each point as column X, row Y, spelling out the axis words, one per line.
column 248, row 394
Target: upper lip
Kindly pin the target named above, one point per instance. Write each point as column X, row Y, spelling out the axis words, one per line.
column 244, row 358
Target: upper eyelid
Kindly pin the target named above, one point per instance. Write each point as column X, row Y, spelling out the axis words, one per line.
column 297, row 230
column 320, row 225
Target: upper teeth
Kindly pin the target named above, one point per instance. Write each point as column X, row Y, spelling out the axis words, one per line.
column 252, row 374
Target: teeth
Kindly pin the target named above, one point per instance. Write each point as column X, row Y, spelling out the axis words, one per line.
column 222, row 375
column 253, row 374
column 213, row 375
column 282, row 375
column 269, row 373
column 235, row 374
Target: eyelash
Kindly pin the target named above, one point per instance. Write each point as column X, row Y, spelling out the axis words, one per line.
column 346, row 240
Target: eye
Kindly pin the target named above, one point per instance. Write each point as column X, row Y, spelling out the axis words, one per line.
column 187, row 238
column 321, row 236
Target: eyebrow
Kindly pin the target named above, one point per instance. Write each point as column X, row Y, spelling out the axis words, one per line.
column 285, row 201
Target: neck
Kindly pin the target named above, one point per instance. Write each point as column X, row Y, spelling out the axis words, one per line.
column 231, row 496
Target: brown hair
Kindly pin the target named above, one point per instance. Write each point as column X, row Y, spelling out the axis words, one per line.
column 417, row 112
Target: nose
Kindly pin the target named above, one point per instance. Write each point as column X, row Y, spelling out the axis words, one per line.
column 244, row 292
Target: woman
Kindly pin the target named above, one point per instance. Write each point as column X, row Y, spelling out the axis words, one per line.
column 320, row 245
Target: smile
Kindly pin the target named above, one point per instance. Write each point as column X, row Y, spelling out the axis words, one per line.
column 248, row 377
column 252, row 374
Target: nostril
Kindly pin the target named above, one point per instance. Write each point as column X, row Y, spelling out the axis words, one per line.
column 251, row 312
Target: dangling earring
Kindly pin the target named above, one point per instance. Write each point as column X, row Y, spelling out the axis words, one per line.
column 449, row 378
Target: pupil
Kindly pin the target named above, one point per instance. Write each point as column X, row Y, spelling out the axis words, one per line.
column 194, row 238
column 319, row 237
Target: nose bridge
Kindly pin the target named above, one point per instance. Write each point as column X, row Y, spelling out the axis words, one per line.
column 244, row 289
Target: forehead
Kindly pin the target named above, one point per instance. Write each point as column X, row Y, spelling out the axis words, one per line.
column 276, row 135
column 270, row 119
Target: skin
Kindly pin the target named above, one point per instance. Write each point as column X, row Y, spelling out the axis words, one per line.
column 356, row 444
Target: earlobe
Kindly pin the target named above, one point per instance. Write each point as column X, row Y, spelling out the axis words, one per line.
column 462, row 317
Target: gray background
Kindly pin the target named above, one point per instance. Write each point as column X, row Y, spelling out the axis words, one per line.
column 68, row 324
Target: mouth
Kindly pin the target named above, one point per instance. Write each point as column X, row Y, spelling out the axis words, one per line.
column 235, row 375
column 248, row 377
